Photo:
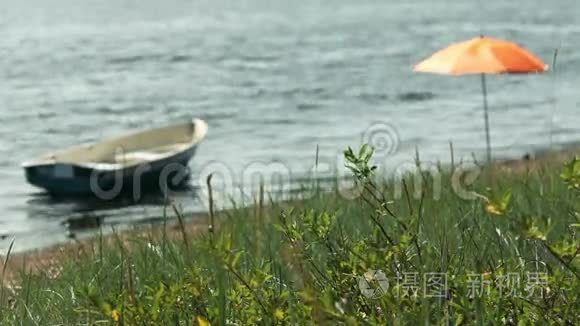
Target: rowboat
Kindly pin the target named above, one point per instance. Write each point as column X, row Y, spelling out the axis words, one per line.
column 137, row 161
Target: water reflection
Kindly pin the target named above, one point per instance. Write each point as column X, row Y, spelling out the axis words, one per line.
column 85, row 214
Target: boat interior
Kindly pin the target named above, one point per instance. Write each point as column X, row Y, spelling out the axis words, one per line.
column 130, row 150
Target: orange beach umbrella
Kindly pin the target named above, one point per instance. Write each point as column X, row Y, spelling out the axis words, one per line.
column 482, row 55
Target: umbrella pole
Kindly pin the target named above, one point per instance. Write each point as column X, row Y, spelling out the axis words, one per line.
column 486, row 117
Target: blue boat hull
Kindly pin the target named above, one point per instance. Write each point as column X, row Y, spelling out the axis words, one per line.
column 83, row 181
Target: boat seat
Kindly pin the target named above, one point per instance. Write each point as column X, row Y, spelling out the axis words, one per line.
column 150, row 154
column 122, row 159
column 138, row 157
column 103, row 166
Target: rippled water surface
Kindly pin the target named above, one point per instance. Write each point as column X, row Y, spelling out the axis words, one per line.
column 274, row 80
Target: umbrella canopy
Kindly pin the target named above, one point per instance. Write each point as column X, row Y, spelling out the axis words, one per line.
column 482, row 55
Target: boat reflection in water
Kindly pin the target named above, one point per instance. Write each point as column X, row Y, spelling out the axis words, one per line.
column 80, row 216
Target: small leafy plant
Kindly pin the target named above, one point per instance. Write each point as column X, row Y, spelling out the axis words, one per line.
column 571, row 174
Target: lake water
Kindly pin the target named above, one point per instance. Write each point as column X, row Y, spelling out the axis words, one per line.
column 274, row 80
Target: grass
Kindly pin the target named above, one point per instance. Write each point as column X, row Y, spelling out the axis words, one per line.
column 325, row 259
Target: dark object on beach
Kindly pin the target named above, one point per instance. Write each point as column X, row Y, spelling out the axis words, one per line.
column 153, row 158
column 86, row 222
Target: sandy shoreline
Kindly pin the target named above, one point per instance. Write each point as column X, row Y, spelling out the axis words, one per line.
column 47, row 259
